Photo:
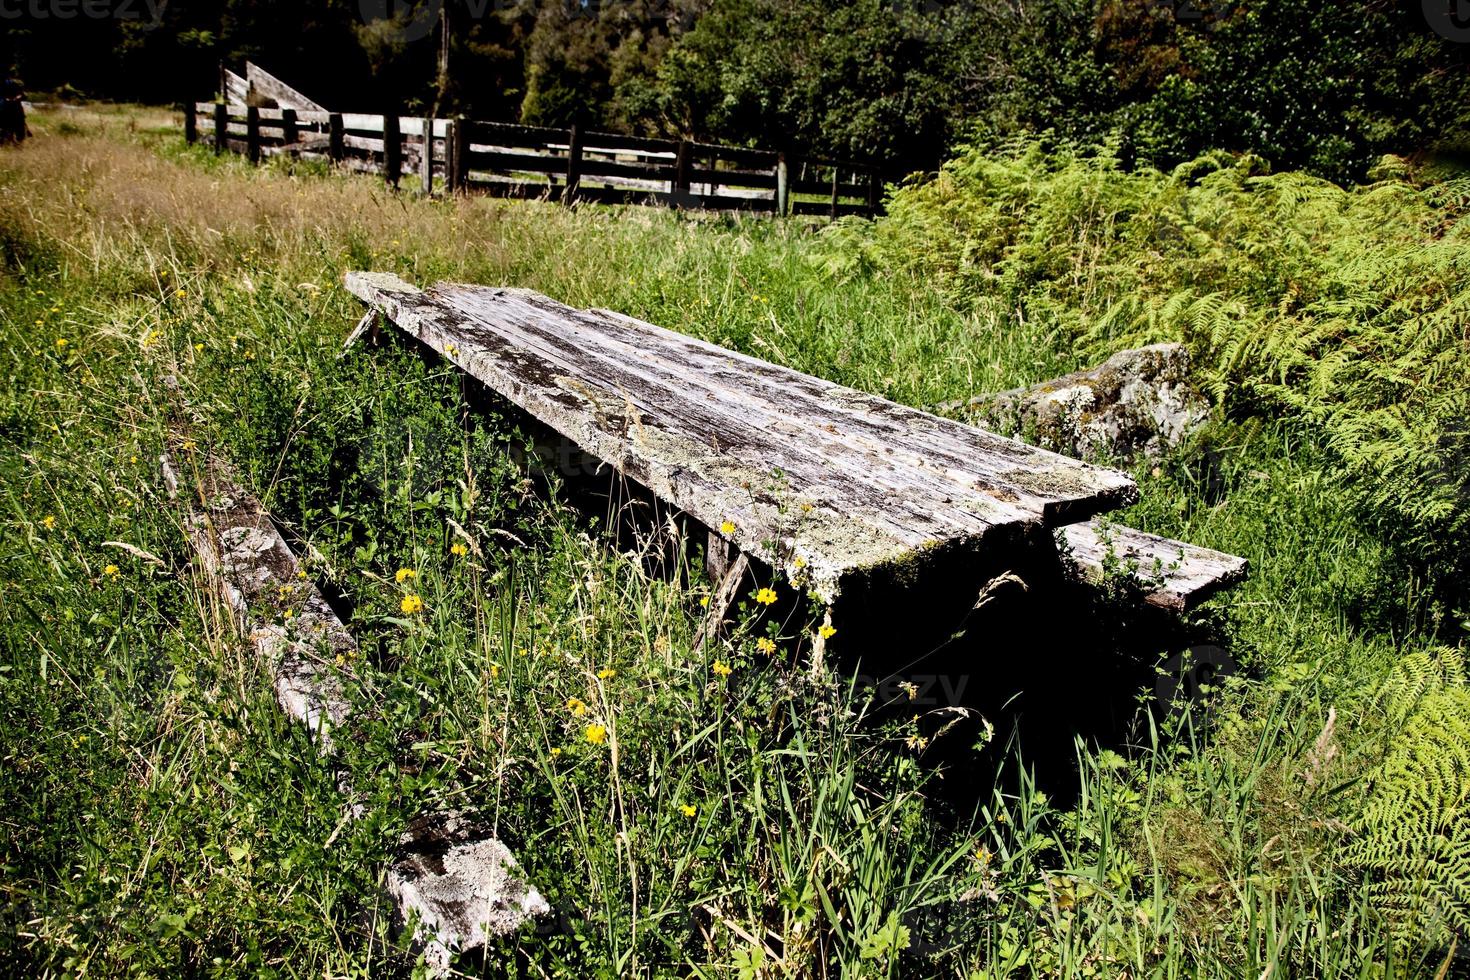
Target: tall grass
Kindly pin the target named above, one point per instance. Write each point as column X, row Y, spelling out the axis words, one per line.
column 160, row 817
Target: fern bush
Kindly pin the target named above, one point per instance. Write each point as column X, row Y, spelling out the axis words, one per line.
column 1412, row 840
column 1345, row 308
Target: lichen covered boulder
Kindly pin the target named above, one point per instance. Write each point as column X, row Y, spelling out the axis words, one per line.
column 1139, row 402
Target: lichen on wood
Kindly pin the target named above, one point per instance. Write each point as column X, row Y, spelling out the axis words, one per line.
column 818, row 480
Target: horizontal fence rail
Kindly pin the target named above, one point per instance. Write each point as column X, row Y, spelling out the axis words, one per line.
column 535, row 162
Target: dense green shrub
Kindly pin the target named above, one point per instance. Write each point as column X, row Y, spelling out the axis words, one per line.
column 1343, row 309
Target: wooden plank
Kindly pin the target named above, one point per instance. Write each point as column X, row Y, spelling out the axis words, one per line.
column 825, row 209
column 614, row 142
column 820, row 480
column 450, row 875
column 765, row 180
column 1174, row 575
column 740, row 156
column 233, row 89
column 270, row 88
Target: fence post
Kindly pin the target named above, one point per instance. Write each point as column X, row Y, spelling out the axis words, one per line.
column 290, row 134
column 392, row 150
column 334, row 137
column 426, row 157
column 682, row 162
column 783, row 186
column 458, row 150
column 836, row 173
column 191, row 122
column 252, row 134
column 221, row 126
column 874, row 191
column 574, row 164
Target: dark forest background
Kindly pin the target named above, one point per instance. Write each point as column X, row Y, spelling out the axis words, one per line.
column 1325, row 87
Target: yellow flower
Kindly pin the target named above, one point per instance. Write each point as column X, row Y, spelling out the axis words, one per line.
column 495, row 672
column 722, row 669
column 60, row 341
column 827, row 632
column 411, row 604
column 111, row 571
column 766, row 645
column 555, row 752
column 596, row 734
column 190, row 445
column 301, row 574
column 766, row 596
column 49, row 521
column 727, row 527
column 451, row 350
column 180, row 293
column 606, row 674
column 704, row 602
column 458, row 549
column 800, row 562
column 688, row 809
column 404, row 574
column 577, row 707
column 289, row 613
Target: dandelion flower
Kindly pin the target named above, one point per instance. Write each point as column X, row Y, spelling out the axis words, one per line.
column 60, row 341
column 404, row 574
column 596, row 734
column 555, row 752
column 688, row 809
column 704, row 602
column 827, row 632
column 766, row 645
column 766, row 596
column 289, row 613
column 495, row 672
column 722, row 669
column 180, row 293
column 111, row 571
column 727, row 527
column 577, row 707
column 607, row 674
column 458, row 549
column 411, row 604
column 49, row 521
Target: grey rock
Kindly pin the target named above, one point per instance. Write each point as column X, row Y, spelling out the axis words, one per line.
column 1138, row 402
column 460, row 884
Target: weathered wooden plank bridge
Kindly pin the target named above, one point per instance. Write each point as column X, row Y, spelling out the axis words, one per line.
column 822, row 482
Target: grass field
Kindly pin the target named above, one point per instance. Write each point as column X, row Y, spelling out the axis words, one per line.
column 158, row 816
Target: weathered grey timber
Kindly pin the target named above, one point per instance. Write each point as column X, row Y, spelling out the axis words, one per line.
column 450, row 875
column 1173, row 575
column 819, row 480
column 267, row 88
column 1139, row 401
column 290, row 626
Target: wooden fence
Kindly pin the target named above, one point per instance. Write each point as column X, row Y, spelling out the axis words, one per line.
column 554, row 164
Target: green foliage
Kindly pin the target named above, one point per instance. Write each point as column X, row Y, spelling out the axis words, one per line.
column 1340, row 308
column 163, row 818
column 1412, row 840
